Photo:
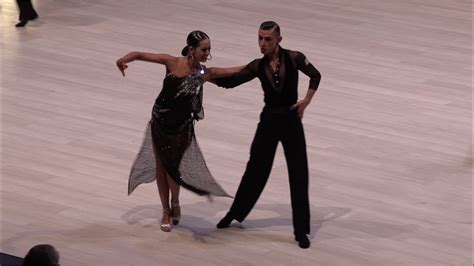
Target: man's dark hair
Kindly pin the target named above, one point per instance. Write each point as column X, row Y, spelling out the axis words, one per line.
column 270, row 25
column 44, row 254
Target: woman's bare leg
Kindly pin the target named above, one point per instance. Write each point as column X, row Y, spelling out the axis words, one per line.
column 163, row 189
column 164, row 192
column 175, row 208
column 174, row 190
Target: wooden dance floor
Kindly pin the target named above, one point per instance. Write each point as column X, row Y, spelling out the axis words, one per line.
column 388, row 133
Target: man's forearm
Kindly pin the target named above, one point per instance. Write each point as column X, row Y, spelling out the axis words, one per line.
column 309, row 95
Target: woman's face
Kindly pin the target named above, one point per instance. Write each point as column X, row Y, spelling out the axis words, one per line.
column 203, row 50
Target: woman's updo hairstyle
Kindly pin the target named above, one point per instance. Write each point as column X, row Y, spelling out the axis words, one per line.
column 193, row 40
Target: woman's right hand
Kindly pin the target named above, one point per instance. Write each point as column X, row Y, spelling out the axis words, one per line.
column 122, row 65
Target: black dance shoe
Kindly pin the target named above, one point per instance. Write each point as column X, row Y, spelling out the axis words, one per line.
column 22, row 23
column 225, row 222
column 303, row 241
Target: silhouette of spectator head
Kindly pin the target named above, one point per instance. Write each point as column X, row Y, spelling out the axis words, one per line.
column 43, row 254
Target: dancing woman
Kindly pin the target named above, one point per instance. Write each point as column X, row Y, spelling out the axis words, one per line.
column 169, row 153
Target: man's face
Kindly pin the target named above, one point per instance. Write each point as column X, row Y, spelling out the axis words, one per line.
column 268, row 41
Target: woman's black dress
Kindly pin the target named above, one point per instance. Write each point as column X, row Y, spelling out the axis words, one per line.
column 171, row 133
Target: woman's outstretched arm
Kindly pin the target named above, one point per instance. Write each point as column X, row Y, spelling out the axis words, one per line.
column 163, row 59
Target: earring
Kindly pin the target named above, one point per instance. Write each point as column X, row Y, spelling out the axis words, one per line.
column 209, row 57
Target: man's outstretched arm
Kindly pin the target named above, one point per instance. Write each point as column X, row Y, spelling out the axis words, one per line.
column 245, row 75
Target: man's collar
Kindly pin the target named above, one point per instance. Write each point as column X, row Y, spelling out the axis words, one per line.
column 280, row 53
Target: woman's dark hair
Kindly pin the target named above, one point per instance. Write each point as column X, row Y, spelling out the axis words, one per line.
column 270, row 25
column 193, row 40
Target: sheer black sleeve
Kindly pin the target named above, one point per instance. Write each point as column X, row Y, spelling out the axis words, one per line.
column 245, row 75
column 308, row 69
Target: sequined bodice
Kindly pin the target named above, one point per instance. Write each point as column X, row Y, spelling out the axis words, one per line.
column 180, row 100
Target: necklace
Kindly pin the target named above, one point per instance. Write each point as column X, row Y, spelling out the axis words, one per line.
column 192, row 66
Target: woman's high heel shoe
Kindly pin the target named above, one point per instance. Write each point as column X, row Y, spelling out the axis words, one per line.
column 165, row 227
column 175, row 213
